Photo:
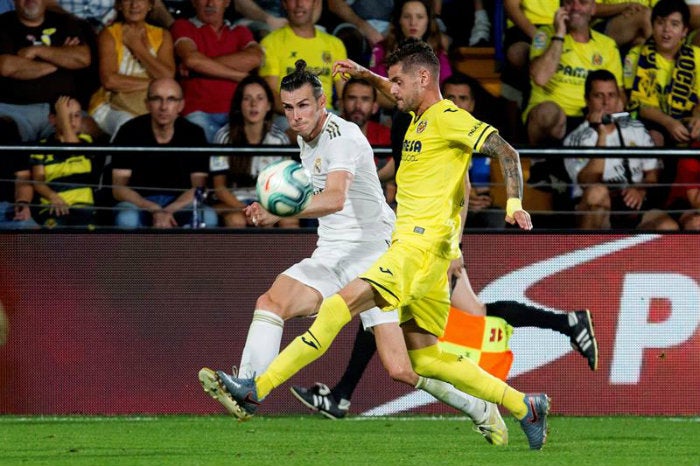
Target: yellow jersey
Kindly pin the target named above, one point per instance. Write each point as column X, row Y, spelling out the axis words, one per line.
column 436, row 152
column 566, row 86
column 283, row 48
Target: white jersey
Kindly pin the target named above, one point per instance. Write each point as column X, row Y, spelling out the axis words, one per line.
column 634, row 134
column 341, row 146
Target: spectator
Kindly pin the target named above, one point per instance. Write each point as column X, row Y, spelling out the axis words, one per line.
column 561, row 56
column 628, row 23
column 662, row 76
column 411, row 18
column 215, row 56
column 684, row 199
column 612, row 192
column 524, row 19
column 132, row 52
column 364, row 24
column 66, row 181
column 264, row 16
column 101, row 13
column 359, row 105
column 163, row 183
column 41, row 55
column 250, row 124
column 300, row 39
column 16, row 190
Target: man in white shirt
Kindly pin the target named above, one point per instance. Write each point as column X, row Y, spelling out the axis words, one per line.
column 612, row 192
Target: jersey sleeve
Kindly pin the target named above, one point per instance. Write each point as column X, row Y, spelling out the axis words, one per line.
column 462, row 129
column 343, row 152
column 541, row 41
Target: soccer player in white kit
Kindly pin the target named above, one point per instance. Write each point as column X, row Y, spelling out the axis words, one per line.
column 355, row 226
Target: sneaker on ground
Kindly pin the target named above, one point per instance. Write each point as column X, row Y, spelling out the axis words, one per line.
column 238, row 396
column 583, row 337
column 319, row 398
column 493, row 428
column 534, row 424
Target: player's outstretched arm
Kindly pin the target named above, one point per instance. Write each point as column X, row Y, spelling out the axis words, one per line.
column 349, row 69
column 495, row 146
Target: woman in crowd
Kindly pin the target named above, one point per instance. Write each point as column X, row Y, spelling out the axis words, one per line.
column 250, row 124
column 411, row 18
column 132, row 52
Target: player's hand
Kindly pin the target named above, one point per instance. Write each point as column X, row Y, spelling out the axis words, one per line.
column 522, row 218
column 258, row 216
column 348, row 69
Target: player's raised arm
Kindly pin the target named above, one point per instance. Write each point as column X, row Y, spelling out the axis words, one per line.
column 349, row 69
column 495, row 146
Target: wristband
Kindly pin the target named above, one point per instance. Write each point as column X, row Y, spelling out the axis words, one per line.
column 512, row 206
column 557, row 38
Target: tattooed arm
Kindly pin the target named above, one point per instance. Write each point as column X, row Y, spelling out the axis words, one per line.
column 509, row 159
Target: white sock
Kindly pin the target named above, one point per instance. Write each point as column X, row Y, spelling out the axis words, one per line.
column 473, row 407
column 262, row 344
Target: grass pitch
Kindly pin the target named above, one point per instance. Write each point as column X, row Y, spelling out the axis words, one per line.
column 313, row 440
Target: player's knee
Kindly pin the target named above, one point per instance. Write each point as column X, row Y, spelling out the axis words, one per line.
column 422, row 363
column 266, row 302
column 403, row 374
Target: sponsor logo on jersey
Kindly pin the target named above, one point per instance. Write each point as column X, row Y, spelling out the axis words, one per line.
column 411, row 146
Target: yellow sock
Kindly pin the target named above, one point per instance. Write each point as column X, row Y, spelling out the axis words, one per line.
column 307, row 347
column 464, row 374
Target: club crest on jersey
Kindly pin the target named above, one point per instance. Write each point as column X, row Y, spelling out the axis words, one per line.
column 597, row 59
column 317, row 165
column 421, row 126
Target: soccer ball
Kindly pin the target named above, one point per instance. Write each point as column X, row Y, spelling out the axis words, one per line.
column 284, row 188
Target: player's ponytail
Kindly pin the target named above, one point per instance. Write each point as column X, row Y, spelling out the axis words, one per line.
column 300, row 76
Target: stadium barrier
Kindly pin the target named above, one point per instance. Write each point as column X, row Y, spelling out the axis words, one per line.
column 537, row 199
column 117, row 323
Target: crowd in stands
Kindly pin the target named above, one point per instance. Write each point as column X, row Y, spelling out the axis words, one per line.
column 206, row 73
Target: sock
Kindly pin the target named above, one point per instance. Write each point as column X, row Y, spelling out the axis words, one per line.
column 466, row 376
column 262, row 344
column 522, row 315
column 473, row 407
column 306, row 348
column 362, row 351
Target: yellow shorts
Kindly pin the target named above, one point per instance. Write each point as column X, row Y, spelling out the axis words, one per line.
column 413, row 281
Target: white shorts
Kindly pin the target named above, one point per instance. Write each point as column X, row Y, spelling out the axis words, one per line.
column 333, row 265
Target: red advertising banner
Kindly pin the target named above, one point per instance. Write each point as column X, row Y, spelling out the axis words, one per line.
column 111, row 323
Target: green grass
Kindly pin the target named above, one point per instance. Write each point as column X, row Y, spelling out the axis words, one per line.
column 312, row 440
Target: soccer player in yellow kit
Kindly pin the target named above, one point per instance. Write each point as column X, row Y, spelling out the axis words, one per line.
column 412, row 275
